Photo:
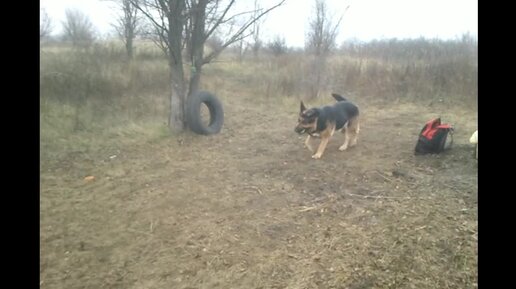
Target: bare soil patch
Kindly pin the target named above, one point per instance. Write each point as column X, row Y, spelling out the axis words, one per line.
column 249, row 208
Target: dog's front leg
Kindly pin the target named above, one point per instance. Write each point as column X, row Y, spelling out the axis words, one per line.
column 344, row 146
column 308, row 144
column 321, row 148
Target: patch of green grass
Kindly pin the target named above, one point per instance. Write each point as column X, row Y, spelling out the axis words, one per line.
column 59, row 134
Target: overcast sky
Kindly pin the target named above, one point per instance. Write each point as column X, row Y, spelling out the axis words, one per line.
column 364, row 20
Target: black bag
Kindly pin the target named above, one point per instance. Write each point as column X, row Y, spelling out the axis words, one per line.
column 432, row 138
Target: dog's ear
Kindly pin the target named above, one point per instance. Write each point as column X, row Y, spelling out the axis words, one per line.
column 303, row 108
column 312, row 113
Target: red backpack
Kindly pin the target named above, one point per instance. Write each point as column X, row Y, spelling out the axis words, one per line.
column 432, row 138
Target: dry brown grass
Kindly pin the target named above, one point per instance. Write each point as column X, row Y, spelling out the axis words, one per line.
column 249, row 208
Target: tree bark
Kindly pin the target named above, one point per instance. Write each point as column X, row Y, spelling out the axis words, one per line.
column 129, row 46
column 177, row 116
column 177, row 120
column 198, row 38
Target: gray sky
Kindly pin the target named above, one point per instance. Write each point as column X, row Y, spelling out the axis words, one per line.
column 364, row 20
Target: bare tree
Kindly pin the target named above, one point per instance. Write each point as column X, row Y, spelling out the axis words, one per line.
column 45, row 24
column 127, row 24
column 186, row 25
column 323, row 31
column 78, row 28
column 321, row 39
column 241, row 47
column 278, row 46
column 214, row 42
column 257, row 43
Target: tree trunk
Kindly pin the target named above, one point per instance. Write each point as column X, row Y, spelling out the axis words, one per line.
column 129, row 45
column 197, row 45
column 177, row 119
column 195, row 80
column 177, row 115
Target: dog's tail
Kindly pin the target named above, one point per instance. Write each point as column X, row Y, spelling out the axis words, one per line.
column 338, row 97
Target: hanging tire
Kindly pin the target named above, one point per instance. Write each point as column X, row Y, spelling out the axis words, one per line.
column 194, row 117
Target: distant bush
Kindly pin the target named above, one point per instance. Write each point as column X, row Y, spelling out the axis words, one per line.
column 99, row 81
column 416, row 69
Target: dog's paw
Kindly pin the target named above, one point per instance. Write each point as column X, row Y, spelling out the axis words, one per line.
column 309, row 148
column 343, row 148
column 316, row 156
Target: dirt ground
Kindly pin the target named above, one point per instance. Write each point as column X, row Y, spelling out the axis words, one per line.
column 249, row 208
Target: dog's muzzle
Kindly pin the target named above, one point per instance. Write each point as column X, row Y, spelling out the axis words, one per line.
column 300, row 130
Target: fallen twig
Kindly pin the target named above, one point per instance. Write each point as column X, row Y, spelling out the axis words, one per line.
column 140, row 232
column 383, row 176
column 381, row 197
column 305, row 208
column 451, row 187
column 254, row 188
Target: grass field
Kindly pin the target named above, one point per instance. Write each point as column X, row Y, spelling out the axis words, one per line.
column 248, row 207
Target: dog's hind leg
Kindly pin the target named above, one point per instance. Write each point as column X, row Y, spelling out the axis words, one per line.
column 345, row 131
column 308, row 144
column 354, row 129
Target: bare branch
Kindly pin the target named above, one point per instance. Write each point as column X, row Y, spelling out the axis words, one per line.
column 78, row 28
column 45, row 25
column 239, row 34
column 219, row 21
column 323, row 31
column 127, row 24
column 143, row 7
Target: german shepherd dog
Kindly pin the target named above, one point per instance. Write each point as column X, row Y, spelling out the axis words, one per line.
column 324, row 121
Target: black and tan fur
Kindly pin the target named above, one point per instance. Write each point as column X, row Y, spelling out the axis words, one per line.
column 324, row 121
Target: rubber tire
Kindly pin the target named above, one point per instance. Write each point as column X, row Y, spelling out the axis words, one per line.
column 194, row 116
